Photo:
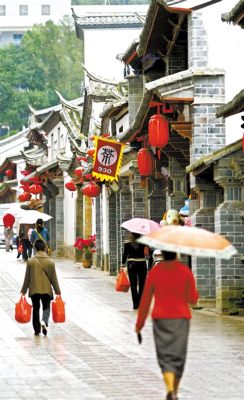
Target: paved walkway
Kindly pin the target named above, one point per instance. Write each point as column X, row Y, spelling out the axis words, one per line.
column 95, row 355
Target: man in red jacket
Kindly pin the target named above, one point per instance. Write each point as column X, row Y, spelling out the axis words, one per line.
column 173, row 287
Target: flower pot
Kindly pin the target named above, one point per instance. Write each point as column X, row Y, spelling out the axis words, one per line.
column 87, row 263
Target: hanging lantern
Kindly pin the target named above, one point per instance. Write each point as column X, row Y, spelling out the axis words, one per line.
column 158, row 131
column 26, row 188
column 24, row 197
column 78, row 172
column 25, row 172
column 70, row 186
column 91, row 152
column 8, row 220
column 145, row 161
column 87, row 177
column 91, row 189
column 35, row 188
column 9, row 173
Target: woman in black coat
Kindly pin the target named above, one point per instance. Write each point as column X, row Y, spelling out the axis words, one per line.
column 134, row 256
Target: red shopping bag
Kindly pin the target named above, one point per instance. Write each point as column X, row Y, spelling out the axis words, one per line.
column 20, row 248
column 23, row 311
column 58, row 310
column 122, row 282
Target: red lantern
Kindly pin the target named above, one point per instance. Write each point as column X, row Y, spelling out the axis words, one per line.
column 9, row 173
column 91, row 152
column 158, row 131
column 70, row 186
column 8, row 220
column 78, row 172
column 24, row 197
column 91, row 189
column 35, row 188
column 25, row 172
column 145, row 160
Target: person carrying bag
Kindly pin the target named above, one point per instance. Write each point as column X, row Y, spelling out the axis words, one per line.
column 41, row 280
column 40, row 232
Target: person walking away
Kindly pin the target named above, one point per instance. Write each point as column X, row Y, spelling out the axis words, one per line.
column 172, row 285
column 41, row 279
column 19, row 246
column 40, row 232
column 8, row 235
column 27, row 246
column 133, row 255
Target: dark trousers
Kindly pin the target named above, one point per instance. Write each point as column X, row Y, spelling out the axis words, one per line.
column 27, row 249
column 137, row 272
column 37, row 299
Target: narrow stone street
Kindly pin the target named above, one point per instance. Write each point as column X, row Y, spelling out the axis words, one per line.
column 95, row 354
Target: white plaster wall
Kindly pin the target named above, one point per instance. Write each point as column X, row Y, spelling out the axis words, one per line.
column 123, row 122
column 102, row 46
column 57, row 139
column 226, row 49
column 69, row 214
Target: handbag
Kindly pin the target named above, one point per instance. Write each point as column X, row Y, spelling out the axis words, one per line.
column 20, row 248
column 122, row 282
column 49, row 251
column 58, row 310
column 23, row 311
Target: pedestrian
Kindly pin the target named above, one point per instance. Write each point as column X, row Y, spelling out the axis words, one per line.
column 41, row 280
column 27, row 246
column 172, row 285
column 8, row 235
column 40, row 232
column 157, row 257
column 134, row 257
column 19, row 245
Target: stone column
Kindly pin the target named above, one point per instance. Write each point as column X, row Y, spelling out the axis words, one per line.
column 113, row 234
column 79, row 221
column 178, row 177
column 157, row 201
column 125, row 212
column 98, row 232
column 204, row 268
column 59, row 206
column 138, row 197
column 229, row 223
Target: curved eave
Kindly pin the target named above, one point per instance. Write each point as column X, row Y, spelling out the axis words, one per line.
column 235, row 106
column 131, row 133
column 155, row 7
column 204, row 162
column 235, row 15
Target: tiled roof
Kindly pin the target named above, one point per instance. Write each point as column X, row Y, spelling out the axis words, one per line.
column 235, row 106
column 91, row 21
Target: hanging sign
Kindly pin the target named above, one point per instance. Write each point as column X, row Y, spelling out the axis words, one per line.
column 107, row 159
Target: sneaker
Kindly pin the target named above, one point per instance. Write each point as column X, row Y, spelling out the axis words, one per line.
column 44, row 328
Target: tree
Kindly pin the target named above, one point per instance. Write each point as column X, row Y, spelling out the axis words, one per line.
column 48, row 59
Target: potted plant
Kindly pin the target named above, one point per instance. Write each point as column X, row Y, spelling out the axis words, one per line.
column 87, row 247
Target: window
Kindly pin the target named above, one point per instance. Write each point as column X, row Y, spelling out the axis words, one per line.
column 17, row 37
column 45, row 9
column 2, row 10
column 23, row 10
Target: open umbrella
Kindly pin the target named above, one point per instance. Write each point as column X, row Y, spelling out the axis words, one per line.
column 140, row 225
column 31, row 216
column 190, row 240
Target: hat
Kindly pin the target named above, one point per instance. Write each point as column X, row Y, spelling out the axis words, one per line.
column 157, row 255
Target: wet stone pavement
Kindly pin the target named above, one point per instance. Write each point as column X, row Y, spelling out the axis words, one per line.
column 95, row 354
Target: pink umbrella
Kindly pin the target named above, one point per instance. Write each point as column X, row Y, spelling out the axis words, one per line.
column 140, row 225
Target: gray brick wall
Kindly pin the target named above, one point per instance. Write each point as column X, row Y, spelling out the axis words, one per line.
column 197, row 41
column 208, row 132
column 113, row 235
column 135, row 93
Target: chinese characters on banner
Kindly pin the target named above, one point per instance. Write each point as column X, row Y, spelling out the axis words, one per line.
column 107, row 159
